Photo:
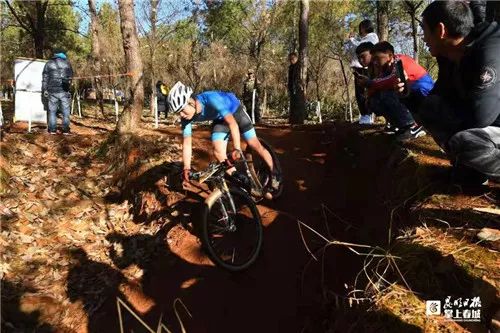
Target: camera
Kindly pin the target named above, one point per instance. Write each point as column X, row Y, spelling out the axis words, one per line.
column 401, row 75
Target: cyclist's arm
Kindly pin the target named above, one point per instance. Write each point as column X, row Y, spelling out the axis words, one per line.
column 187, row 145
column 235, row 131
column 187, row 152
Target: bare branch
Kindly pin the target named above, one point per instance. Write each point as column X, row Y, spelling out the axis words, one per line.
column 21, row 23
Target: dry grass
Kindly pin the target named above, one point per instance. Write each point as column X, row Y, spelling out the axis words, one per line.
column 387, row 277
column 161, row 327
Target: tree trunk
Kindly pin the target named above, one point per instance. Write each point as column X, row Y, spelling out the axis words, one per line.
column 34, row 26
column 39, row 33
column 297, row 105
column 95, row 29
column 1, row 41
column 414, row 35
column 152, row 47
column 131, row 115
column 346, row 83
column 411, row 9
column 383, row 19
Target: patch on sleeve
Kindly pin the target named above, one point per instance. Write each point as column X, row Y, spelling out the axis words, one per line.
column 487, row 78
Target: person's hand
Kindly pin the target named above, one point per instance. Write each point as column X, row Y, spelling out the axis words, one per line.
column 235, row 155
column 400, row 87
column 362, row 80
column 186, row 173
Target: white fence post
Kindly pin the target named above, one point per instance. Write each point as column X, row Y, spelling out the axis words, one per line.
column 253, row 106
column 116, row 104
column 29, row 120
column 318, row 112
column 157, row 116
column 73, row 103
column 78, row 104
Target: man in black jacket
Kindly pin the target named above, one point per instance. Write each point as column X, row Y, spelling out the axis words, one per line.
column 161, row 98
column 56, row 81
column 463, row 111
column 295, row 91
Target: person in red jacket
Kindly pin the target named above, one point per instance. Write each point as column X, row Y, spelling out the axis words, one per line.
column 383, row 98
column 419, row 81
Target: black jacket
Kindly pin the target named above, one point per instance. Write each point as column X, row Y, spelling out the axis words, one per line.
column 57, row 75
column 293, row 78
column 473, row 86
column 160, row 98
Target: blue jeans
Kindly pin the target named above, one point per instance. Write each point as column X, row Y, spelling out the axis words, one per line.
column 387, row 104
column 56, row 100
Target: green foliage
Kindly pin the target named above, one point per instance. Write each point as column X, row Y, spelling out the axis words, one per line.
column 62, row 25
column 225, row 21
column 214, row 42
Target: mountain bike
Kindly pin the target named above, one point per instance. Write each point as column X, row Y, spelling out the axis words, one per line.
column 231, row 228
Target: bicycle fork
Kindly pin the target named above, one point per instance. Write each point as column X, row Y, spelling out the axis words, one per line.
column 217, row 195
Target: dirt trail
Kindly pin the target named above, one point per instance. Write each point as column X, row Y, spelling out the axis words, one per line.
column 265, row 298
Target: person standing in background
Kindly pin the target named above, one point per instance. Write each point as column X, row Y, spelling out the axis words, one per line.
column 161, row 98
column 366, row 34
column 251, row 84
column 56, row 81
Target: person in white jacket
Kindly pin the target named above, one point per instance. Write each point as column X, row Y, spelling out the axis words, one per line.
column 366, row 34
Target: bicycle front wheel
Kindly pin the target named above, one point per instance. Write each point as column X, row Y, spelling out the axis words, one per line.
column 233, row 239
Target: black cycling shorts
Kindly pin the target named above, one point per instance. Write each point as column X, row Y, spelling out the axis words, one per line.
column 221, row 131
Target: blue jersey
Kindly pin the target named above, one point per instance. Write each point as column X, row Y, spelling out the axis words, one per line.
column 214, row 105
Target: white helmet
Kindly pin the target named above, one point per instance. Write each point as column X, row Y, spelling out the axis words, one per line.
column 178, row 96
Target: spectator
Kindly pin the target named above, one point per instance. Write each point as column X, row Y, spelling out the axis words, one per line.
column 419, row 82
column 463, row 111
column 56, row 81
column 251, row 84
column 161, row 98
column 384, row 101
column 295, row 90
column 366, row 34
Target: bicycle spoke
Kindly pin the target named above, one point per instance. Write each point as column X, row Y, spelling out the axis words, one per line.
column 234, row 238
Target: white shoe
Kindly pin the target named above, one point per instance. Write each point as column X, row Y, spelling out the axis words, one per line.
column 365, row 120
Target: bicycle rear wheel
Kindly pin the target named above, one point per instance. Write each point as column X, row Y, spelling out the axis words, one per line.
column 260, row 170
column 232, row 239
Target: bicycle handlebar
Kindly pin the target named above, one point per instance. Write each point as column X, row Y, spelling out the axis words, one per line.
column 212, row 169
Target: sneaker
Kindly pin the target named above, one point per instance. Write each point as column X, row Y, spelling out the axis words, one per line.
column 52, row 133
column 389, row 130
column 366, row 120
column 410, row 133
column 66, row 133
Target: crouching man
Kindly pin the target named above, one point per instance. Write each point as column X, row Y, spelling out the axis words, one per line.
column 462, row 113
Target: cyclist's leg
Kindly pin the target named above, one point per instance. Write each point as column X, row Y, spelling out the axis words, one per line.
column 220, row 137
column 250, row 136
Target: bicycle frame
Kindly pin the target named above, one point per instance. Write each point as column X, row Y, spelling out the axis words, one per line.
column 216, row 175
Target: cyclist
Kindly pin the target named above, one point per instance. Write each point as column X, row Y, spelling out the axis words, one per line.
column 228, row 116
